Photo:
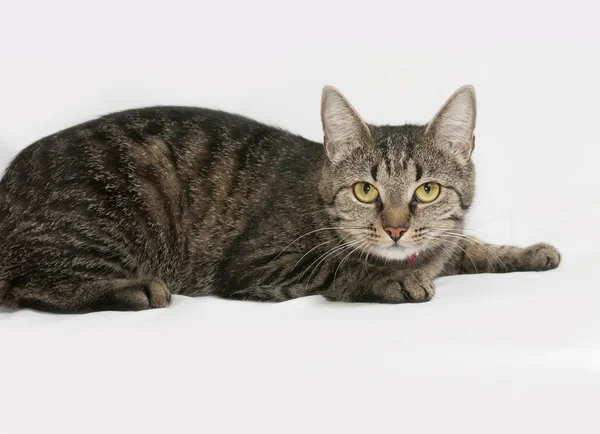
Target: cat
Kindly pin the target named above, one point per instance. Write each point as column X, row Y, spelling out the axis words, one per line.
column 121, row 212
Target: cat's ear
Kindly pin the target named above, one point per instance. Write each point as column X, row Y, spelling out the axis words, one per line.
column 453, row 126
column 343, row 128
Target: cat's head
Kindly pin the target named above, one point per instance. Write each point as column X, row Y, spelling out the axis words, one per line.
column 395, row 191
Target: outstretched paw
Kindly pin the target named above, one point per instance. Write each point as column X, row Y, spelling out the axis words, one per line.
column 542, row 257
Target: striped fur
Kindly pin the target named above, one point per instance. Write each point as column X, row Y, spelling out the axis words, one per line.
column 122, row 211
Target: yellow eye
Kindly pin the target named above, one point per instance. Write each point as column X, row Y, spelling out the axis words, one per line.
column 427, row 192
column 365, row 192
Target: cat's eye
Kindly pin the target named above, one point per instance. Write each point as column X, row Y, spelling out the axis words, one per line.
column 365, row 192
column 427, row 192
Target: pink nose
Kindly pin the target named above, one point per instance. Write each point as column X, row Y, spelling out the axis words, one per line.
column 395, row 233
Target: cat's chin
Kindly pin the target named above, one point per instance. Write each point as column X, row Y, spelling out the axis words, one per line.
column 396, row 253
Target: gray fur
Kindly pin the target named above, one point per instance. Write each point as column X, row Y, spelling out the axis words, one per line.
column 122, row 211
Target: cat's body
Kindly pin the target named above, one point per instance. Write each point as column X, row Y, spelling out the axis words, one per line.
column 122, row 211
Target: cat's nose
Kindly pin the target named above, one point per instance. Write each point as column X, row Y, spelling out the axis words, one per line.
column 395, row 233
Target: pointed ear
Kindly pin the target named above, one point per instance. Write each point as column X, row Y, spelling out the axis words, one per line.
column 453, row 126
column 343, row 128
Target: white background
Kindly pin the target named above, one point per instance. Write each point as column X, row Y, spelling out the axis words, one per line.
column 489, row 354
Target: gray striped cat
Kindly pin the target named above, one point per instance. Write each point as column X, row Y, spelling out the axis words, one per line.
column 123, row 211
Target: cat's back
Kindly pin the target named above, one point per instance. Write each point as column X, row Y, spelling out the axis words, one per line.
column 187, row 140
column 165, row 165
column 164, row 186
column 178, row 126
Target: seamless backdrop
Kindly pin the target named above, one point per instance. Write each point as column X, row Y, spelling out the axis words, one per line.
column 488, row 354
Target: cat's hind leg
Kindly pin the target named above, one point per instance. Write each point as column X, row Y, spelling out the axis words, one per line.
column 93, row 295
column 474, row 256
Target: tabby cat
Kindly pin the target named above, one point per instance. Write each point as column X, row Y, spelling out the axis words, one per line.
column 121, row 212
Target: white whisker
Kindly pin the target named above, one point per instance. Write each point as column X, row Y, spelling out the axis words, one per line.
column 335, row 250
column 312, row 232
column 465, row 252
column 342, row 261
column 480, row 245
column 441, row 247
column 303, row 256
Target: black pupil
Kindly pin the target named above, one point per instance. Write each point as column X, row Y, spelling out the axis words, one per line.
column 367, row 188
column 427, row 188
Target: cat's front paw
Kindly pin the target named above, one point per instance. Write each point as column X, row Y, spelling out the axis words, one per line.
column 417, row 288
column 541, row 257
